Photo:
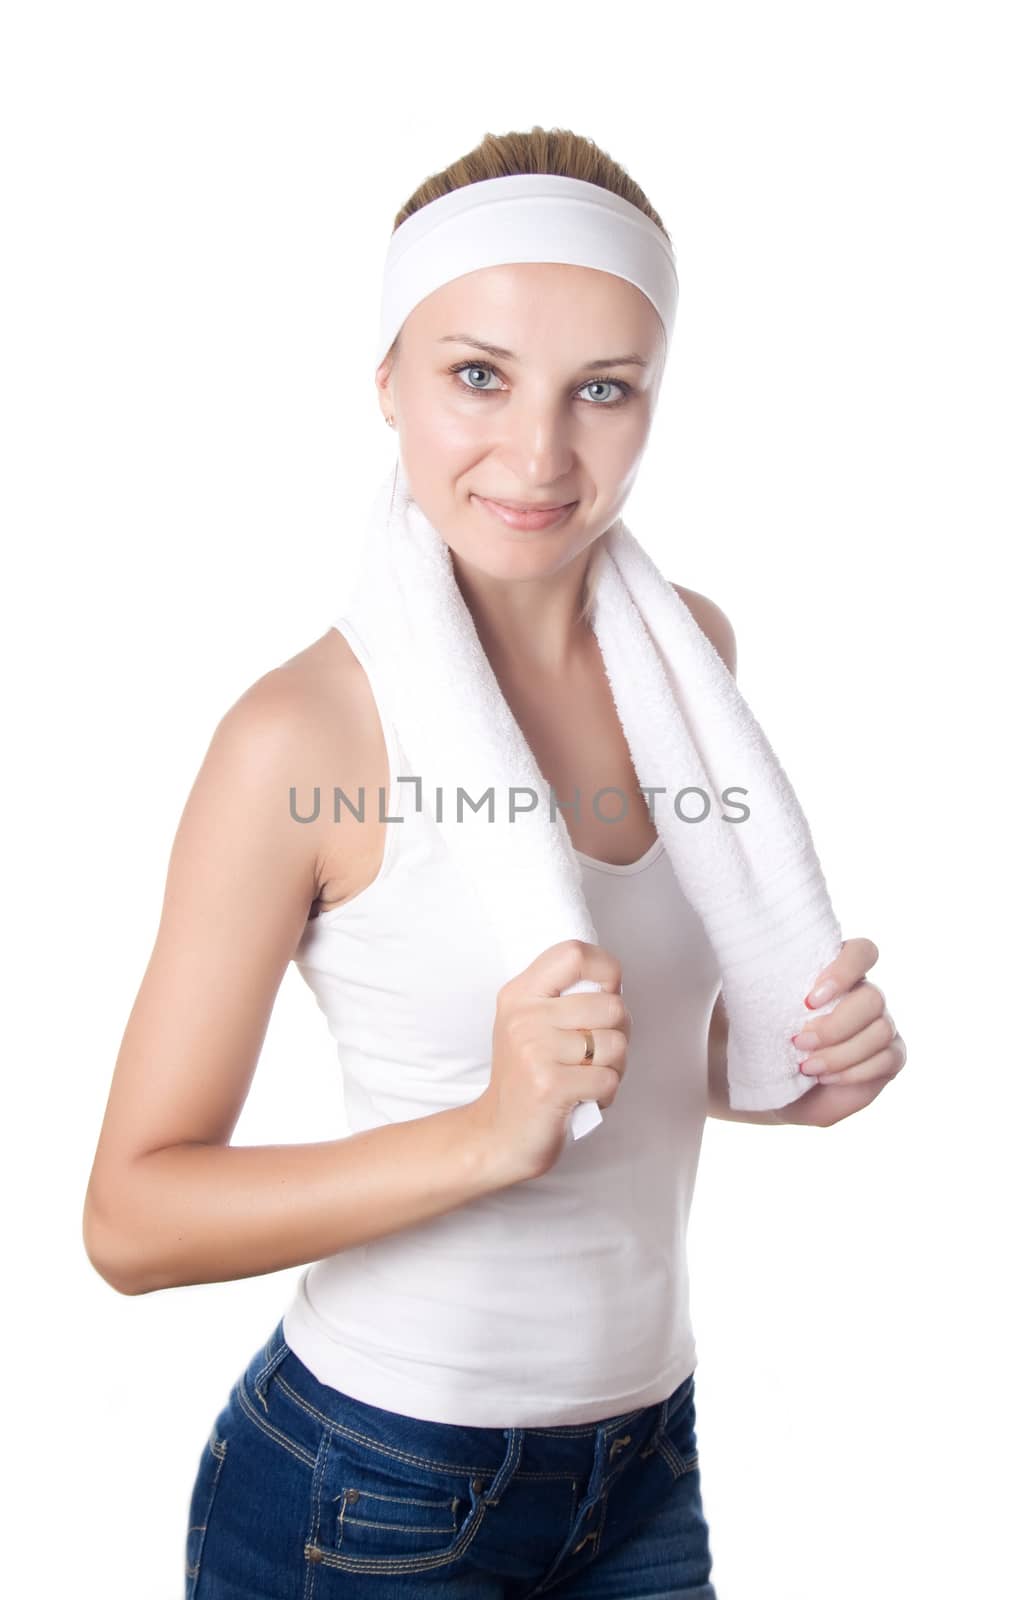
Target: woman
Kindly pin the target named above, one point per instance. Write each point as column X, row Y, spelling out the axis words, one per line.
column 484, row 1384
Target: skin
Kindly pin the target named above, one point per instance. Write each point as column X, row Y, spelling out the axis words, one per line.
column 169, row 1199
column 531, row 435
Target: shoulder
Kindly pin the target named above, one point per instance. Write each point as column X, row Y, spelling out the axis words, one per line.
column 714, row 623
column 301, row 729
column 306, row 725
column 299, row 707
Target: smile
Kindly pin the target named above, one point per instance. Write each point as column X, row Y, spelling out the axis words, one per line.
column 540, row 517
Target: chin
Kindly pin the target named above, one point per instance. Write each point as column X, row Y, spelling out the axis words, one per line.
column 515, row 558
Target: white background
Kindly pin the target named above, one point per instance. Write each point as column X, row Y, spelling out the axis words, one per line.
column 196, row 199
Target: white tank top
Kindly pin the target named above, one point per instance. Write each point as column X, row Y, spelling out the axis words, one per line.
column 559, row 1300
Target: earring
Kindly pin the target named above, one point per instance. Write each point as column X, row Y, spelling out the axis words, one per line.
column 389, row 421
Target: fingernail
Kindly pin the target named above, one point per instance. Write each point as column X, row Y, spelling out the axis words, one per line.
column 811, row 1066
column 823, row 991
column 805, row 1040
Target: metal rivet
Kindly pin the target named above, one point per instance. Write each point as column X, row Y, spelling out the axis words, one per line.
column 351, row 1496
column 312, row 1552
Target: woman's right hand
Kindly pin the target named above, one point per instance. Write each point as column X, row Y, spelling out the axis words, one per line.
column 535, row 1077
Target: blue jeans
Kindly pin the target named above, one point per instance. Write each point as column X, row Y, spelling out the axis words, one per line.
column 303, row 1493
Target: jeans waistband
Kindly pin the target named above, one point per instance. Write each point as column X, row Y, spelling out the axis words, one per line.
column 306, row 1409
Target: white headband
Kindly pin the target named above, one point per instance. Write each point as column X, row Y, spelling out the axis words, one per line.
column 531, row 217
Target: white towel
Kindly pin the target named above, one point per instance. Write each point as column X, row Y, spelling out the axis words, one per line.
column 756, row 884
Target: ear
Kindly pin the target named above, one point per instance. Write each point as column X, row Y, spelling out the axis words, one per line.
column 385, row 395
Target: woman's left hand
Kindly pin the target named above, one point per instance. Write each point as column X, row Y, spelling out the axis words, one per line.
column 854, row 1050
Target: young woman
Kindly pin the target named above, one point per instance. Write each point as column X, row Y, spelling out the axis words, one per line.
column 484, row 1384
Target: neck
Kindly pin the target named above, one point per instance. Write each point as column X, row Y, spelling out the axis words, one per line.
column 529, row 626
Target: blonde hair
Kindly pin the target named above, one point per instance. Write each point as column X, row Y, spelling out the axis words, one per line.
column 553, row 150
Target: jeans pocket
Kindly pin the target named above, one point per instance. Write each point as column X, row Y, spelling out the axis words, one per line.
column 202, row 1499
column 376, row 1509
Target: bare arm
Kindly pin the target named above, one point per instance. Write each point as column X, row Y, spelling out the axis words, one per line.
column 169, row 1200
column 209, row 1213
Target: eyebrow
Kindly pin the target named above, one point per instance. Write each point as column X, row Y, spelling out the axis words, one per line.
column 631, row 360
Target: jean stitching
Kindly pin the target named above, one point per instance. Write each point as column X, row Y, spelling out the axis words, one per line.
column 333, row 1558
column 601, row 1523
column 315, row 1551
column 570, row 1432
column 674, row 1459
column 439, row 1503
column 298, row 1451
column 610, row 1478
column 278, row 1353
column 396, row 1527
column 685, row 1400
column 314, row 1529
column 557, row 1572
column 219, row 1455
column 608, row 1426
column 455, row 1468
column 593, row 1535
column 436, row 1466
column 515, row 1451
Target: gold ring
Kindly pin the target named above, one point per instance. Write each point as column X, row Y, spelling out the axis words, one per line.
column 589, row 1048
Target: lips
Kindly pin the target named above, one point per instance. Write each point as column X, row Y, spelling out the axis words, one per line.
column 527, row 505
column 525, row 517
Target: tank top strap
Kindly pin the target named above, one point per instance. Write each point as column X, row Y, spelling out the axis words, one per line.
column 347, row 628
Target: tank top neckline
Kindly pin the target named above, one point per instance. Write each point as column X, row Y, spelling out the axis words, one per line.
column 623, row 869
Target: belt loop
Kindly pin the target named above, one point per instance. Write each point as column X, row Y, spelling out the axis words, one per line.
column 659, row 1429
column 276, row 1350
column 500, row 1482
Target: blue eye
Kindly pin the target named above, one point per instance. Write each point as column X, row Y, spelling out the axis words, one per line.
column 626, row 389
column 473, row 366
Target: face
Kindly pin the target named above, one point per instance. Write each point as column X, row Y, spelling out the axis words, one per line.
column 548, row 422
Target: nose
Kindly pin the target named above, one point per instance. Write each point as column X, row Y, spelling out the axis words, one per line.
column 537, row 446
